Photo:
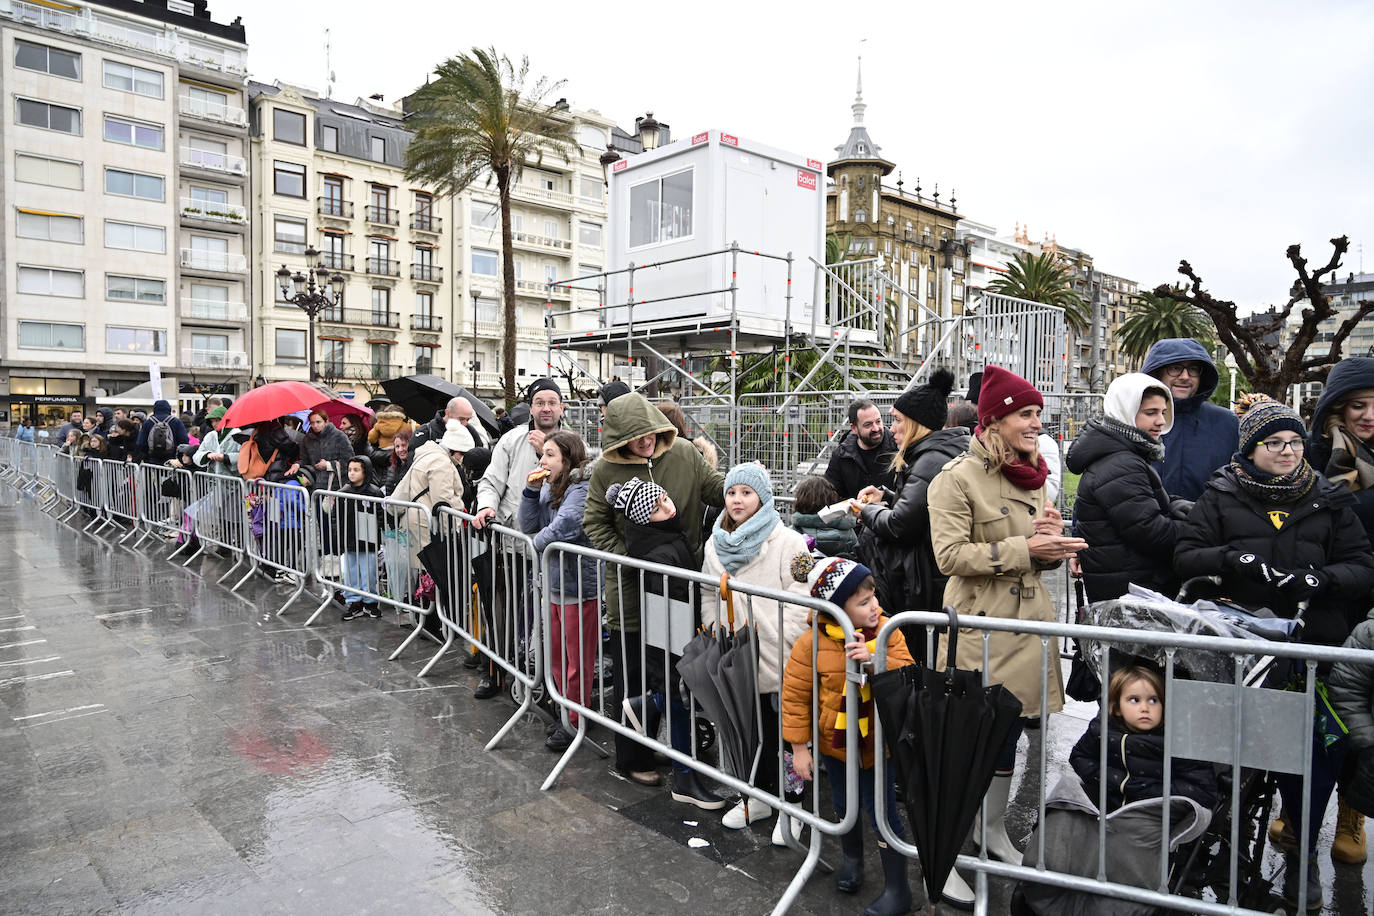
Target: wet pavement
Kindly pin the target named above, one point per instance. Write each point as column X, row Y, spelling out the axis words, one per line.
column 168, row 746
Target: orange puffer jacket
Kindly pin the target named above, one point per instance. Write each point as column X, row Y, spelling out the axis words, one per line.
column 830, row 660
column 390, row 421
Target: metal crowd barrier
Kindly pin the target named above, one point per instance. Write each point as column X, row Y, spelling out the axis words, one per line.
column 1236, row 725
column 362, row 549
column 278, row 525
column 666, row 624
column 119, row 496
column 64, row 485
column 217, row 517
column 164, row 492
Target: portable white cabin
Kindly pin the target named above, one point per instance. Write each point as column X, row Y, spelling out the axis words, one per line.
column 700, row 195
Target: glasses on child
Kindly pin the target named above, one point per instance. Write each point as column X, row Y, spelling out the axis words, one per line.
column 1276, row 446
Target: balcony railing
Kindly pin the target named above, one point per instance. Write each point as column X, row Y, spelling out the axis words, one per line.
column 384, row 216
column 335, row 260
column 426, row 273
column 429, row 367
column 426, row 222
column 225, row 262
column 384, row 267
column 213, row 310
column 213, row 211
column 214, row 359
column 362, row 316
column 547, row 242
column 542, row 195
column 426, row 323
column 212, row 111
column 214, row 162
column 369, row 370
column 334, row 206
column 541, row 288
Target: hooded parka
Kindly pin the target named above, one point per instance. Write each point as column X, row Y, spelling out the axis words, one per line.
column 389, row 421
column 676, row 466
column 433, row 478
column 1346, row 377
column 979, row 525
column 1204, row 434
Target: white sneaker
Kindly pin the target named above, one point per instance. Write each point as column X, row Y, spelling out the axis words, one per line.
column 778, row 838
column 758, row 811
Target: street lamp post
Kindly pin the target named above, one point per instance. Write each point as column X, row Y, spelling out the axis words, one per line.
column 476, row 294
column 312, row 293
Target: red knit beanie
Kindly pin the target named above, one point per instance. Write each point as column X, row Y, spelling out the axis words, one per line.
column 1003, row 393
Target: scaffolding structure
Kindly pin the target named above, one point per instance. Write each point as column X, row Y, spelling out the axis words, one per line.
column 849, row 344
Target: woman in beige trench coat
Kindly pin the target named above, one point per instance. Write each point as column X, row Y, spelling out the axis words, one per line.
column 993, row 533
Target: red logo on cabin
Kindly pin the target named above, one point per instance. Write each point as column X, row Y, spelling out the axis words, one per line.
column 806, row 179
column 620, row 166
column 813, row 164
column 700, row 138
column 729, row 139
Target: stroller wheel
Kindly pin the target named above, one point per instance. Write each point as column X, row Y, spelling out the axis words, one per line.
column 705, row 734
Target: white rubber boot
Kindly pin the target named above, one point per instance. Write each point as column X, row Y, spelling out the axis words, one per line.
column 999, row 845
column 956, row 892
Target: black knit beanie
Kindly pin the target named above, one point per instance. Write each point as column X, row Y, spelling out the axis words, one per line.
column 928, row 404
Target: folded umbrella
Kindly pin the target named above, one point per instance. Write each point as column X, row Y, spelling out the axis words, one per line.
column 274, row 400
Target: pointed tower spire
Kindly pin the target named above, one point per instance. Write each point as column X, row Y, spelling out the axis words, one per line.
column 859, row 105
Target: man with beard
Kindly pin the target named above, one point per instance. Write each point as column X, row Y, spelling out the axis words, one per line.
column 514, row 456
column 863, row 454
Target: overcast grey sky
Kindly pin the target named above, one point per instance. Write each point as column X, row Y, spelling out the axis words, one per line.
column 1220, row 132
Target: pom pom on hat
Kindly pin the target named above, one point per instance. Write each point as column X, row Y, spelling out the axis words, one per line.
column 1260, row 417
column 636, row 499
column 832, row 579
column 928, row 404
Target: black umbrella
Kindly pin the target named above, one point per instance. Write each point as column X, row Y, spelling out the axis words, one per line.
column 720, row 667
column 953, row 729
column 422, row 396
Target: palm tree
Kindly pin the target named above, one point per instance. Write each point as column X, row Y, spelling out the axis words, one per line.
column 1153, row 318
column 479, row 119
column 1044, row 278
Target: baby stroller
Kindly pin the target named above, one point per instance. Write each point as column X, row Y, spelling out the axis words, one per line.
column 1225, row 709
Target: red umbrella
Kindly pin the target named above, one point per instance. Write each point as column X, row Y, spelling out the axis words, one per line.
column 273, row 400
column 343, row 407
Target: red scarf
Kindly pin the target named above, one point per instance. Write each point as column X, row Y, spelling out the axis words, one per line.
column 1020, row 472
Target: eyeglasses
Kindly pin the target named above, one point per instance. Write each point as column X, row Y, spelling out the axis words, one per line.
column 1276, row 446
column 1194, row 369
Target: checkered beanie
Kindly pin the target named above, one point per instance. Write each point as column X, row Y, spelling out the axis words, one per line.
column 636, row 499
column 832, row 579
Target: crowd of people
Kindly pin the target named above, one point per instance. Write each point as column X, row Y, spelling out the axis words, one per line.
column 948, row 501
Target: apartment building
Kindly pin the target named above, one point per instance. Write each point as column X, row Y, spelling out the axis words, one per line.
column 122, row 144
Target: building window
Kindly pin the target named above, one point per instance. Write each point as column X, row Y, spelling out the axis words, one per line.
column 49, row 227
column 588, row 270
column 378, row 148
column 50, row 335
column 861, row 215
column 332, row 187
column 135, row 289
column 484, row 216
column 288, row 126
column 930, row 290
column 909, row 230
column 209, row 102
column 661, row 210
column 135, row 340
column 485, row 263
column 209, row 200
column 135, row 237
column 133, row 133
column 550, row 273
column 381, row 305
column 290, row 347
column 48, row 117
column 380, row 195
column 590, row 188
column 591, row 136
column 424, row 306
column 958, row 291
column 51, row 281
column 133, row 184
column 215, row 343
column 330, row 354
column 288, row 179
column 181, row 6
column 209, row 301
column 288, row 235
column 424, row 359
column 892, row 224
column 57, row 173
column 54, row 61
column 589, row 234
column 128, row 78
column 380, row 357
column 329, row 138
column 931, row 261
column 424, row 211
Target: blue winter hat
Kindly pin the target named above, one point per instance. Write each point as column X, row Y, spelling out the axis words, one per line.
column 754, row 477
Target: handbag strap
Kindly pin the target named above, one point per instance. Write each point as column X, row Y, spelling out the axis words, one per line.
column 953, row 652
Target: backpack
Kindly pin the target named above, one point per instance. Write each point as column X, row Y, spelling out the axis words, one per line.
column 161, row 441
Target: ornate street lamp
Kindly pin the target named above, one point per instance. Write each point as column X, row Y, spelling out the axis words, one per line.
column 312, row 293
column 649, row 132
column 608, row 159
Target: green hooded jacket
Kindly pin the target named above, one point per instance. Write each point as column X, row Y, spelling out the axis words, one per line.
column 676, row 466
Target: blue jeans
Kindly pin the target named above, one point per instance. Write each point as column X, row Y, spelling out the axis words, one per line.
column 359, row 572
column 679, row 727
column 834, row 769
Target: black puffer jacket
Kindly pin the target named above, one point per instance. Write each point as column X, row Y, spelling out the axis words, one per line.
column 1318, row 532
column 1122, row 512
column 895, row 540
column 848, row 472
column 1135, row 767
column 1346, row 377
column 665, row 544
